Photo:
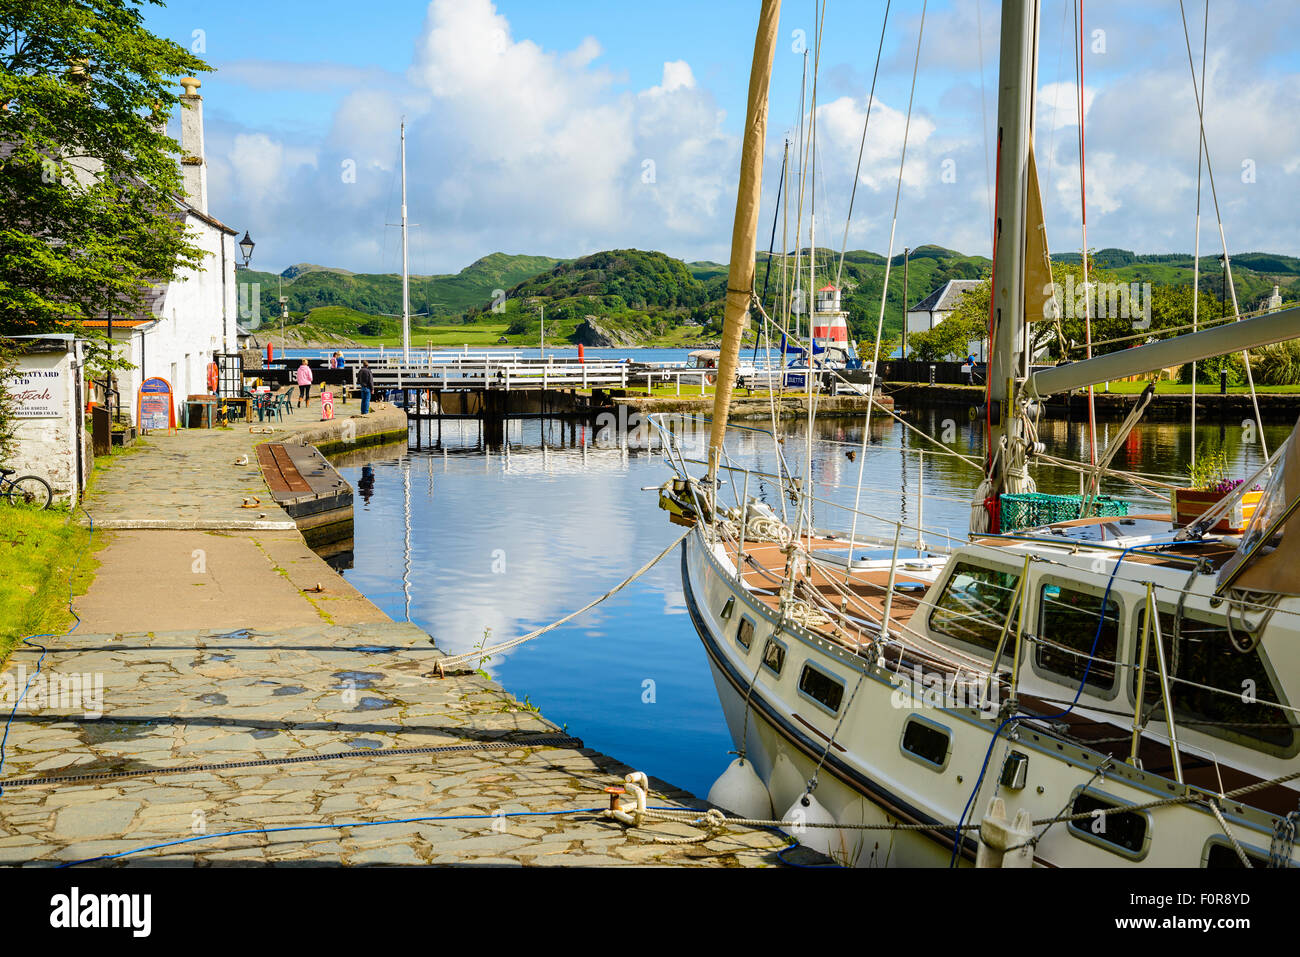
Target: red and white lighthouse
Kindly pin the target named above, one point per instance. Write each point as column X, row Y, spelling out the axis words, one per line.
column 829, row 323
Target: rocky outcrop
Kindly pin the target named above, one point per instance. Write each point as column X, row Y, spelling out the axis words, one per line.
column 596, row 335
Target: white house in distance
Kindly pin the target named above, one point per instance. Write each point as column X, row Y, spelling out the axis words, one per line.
column 192, row 317
column 938, row 306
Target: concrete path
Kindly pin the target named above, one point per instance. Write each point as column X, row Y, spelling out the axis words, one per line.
column 172, row 580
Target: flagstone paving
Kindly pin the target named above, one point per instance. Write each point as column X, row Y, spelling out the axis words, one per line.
column 209, row 478
column 171, row 701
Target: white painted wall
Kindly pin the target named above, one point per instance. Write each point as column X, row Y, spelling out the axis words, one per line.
column 47, row 445
column 195, row 319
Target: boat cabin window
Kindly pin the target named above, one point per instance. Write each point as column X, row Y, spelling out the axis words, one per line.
column 1109, row 826
column 1219, row 853
column 774, row 656
column 821, row 687
column 1068, row 619
column 745, row 633
column 973, row 605
column 926, row 741
column 1202, row 653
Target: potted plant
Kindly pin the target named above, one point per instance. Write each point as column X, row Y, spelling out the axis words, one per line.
column 123, row 435
column 1209, row 484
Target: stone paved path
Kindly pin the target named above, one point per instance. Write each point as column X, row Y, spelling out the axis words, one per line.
column 203, row 478
column 179, row 699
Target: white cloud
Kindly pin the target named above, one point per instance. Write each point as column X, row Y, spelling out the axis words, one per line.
column 517, row 147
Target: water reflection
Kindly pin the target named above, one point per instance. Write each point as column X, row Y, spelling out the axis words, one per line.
column 478, row 533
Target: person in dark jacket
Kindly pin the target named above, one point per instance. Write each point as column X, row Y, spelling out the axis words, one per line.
column 367, row 383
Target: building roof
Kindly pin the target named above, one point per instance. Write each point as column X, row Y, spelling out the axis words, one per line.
column 944, row 299
column 205, row 217
column 133, row 323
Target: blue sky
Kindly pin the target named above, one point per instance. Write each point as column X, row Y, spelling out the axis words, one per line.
column 562, row 127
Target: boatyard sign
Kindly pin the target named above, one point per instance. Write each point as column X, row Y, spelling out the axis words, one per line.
column 154, row 407
column 39, row 393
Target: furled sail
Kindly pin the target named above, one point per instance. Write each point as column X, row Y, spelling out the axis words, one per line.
column 740, row 277
column 1041, row 299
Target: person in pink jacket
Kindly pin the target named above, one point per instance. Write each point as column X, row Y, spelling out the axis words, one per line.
column 303, row 376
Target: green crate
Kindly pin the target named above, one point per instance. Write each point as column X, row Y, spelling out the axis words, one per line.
column 1036, row 509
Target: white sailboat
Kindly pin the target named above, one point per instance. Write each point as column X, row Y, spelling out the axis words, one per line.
column 1098, row 692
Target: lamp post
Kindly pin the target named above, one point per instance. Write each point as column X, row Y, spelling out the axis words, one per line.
column 1223, row 289
column 246, row 248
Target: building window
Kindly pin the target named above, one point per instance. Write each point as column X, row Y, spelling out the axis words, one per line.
column 774, row 656
column 745, row 633
column 821, row 688
column 926, row 741
column 974, row 603
column 1069, row 618
column 1109, row 826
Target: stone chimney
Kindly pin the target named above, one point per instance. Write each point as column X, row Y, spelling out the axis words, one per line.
column 194, row 164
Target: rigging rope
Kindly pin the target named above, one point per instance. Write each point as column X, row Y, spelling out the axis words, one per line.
column 443, row 664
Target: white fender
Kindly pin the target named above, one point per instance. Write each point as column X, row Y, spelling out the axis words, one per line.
column 807, row 810
column 741, row 791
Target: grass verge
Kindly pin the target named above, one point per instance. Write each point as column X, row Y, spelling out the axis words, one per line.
column 38, row 552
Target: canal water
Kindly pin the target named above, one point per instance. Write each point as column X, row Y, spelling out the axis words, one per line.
column 478, row 537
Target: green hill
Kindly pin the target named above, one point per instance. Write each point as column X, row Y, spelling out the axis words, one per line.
column 650, row 297
column 309, row 287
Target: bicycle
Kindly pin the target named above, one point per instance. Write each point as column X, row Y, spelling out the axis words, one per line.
column 25, row 491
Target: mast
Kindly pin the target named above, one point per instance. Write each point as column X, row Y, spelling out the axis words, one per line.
column 1017, row 76
column 740, row 277
column 406, row 275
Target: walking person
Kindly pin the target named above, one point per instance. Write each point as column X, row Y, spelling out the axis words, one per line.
column 366, row 381
column 303, row 377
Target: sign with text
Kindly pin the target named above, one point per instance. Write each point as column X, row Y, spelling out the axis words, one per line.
column 154, row 406
column 39, row 393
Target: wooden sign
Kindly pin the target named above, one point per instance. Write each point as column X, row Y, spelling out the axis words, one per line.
column 154, row 407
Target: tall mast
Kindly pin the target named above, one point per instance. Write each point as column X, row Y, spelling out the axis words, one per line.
column 1017, row 76
column 744, row 234
column 406, row 276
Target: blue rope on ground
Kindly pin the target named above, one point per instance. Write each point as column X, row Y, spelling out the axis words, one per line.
column 329, row 827
column 1101, row 620
column 29, row 641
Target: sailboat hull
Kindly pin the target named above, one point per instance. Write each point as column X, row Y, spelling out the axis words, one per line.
column 868, row 774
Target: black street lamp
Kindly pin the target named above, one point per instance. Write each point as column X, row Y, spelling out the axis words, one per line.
column 246, row 247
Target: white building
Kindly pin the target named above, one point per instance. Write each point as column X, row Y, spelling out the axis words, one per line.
column 938, row 306
column 194, row 316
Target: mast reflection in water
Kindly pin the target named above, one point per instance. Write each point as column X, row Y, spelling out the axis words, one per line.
column 509, row 528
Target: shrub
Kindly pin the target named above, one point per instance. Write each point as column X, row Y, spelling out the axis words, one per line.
column 1278, row 364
